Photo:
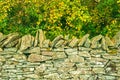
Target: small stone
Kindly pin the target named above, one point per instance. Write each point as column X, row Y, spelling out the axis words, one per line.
column 76, row 58
column 83, row 40
column 53, row 76
column 95, row 41
column 38, row 58
column 1, row 49
column 41, row 68
column 2, row 59
column 33, row 50
column 47, row 53
column 73, row 42
column 99, row 70
column 32, row 76
column 20, row 57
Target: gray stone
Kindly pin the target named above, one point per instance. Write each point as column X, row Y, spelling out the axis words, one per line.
column 83, row 40
column 41, row 68
column 95, row 41
column 73, row 42
column 38, row 58
column 116, row 38
column 26, row 42
column 56, row 40
column 33, row 50
column 108, row 41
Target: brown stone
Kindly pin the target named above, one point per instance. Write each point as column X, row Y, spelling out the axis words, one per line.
column 26, row 42
column 83, row 40
column 73, row 42
column 38, row 58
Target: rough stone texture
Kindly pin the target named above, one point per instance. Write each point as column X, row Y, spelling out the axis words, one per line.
column 116, row 38
column 83, row 40
column 95, row 41
column 26, row 42
column 62, row 59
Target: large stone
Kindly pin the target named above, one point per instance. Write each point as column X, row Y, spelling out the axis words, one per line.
column 116, row 38
column 54, row 42
column 95, row 41
column 87, row 43
column 83, row 40
column 9, row 38
column 103, row 44
column 39, row 38
column 26, row 42
column 108, row 41
column 38, row 58
column 73, row 42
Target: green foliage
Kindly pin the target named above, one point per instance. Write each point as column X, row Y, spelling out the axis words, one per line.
column 55, row 17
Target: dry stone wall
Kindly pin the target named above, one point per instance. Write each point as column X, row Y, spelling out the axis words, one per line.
column 38, row 58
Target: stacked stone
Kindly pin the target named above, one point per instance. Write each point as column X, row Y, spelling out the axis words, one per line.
column 38, row 58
